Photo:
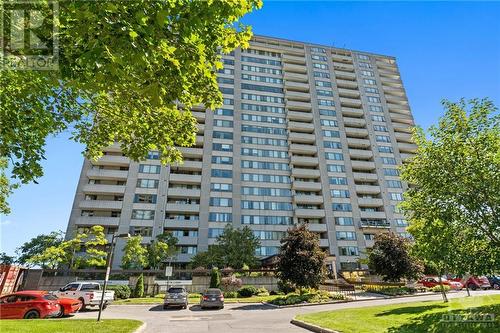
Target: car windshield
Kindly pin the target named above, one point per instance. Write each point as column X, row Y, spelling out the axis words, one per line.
column 50, row 297
column 213, row 292
column 175, row 290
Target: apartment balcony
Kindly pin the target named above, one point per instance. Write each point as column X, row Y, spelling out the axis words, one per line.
column 375, row 224
column 359, row 153
column 306, row 186
column 201, row 128
column 407, row 147
column 355, row 142
column 352, row 112
column 303, row 149
column 348, row 92
column 187, row 240
column 356, row 132
column 188, row 165
column 300, row 116
column 317, row 227
column 294, row 59
column 323, row 242
column 349, row 84
column 191, row 152
column 363, row 177
column 343, row 66
column 103, row 189
column 301, row 126
column 183, row 192
column 403, row 137
column 402, row 127
column 297, row 96
column 370, row 202
column 296, row 77
column 393, row 90
column 390, row 80
column 350, row 102
column 399, row 108
column 200, row 116
column 396, row 99
column 107, row 174
column 299, row 86
column 112, row 160
column 181, row 224
column 345, row 75
column 302, row 137
column 405, row 156
column 100, row 204
column 186, row 179
column 304, row 160
column 368, row 189
column 294, row 68
column 305, row 173
column 173, row 207
column 296, row 105
column 309, row 213
column 363, row 165
column 308, row 199
column 354, row 122
column 97, row 220
column 341, row 58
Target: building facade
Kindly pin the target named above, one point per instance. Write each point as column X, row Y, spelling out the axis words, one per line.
column 307, row 134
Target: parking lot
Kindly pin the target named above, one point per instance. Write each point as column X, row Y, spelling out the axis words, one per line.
column 241, row 318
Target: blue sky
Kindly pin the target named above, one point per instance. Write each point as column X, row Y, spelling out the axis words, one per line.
column 444, row 50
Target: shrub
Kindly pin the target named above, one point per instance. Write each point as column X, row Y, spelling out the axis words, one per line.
column 139, row 287
column 121, row 291
column 247, row 291
column 437, row 289
column 214, row 278
column 262, row 292
column 231, row 283
column 285, row 287
column 231, row 294
column 314, row 296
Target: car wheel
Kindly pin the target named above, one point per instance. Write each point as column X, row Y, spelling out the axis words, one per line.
column 83, row 308
column 32, row 314
column 165, row 306
column 60, row 314
column 472, row 286
column 496, row 286
column 222, row 307
column 185, row 306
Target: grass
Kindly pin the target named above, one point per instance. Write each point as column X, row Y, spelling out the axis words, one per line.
column 415, row 317
column 69, row 326
column 194, row 299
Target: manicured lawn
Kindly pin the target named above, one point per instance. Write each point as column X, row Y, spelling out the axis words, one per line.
column 69, row 326
column 194, row 299
column 415, row 317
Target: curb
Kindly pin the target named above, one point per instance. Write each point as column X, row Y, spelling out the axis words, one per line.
column 141, row 328
column 311, row 327
column 305, row 304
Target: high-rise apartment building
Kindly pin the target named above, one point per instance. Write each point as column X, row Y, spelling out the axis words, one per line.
column 307, row 134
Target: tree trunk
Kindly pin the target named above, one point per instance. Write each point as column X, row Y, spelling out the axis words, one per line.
column 445, row 298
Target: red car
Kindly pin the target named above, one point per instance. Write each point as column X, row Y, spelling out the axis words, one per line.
column 473, row 282
column 32, row 304
column 432, row 281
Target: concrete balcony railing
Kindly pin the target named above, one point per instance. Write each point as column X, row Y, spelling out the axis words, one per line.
column 341, row 58
column 300, row 116
column 191, row 152
column 346, row 111
column 343, row 75
column 407, row 147
column 356, row 132
column 306, row 186
column 349, row 84
column 403, row 137
column 172, row 207
column 359, row 153
column 309, row 213
column 343, row 65
column 355, row 142
column 97, row 220
column 303, row 149
column 323, row 242
column 343, row 92
column 302, row 137
column 186, row 179
column 176, row 224
column 375, row 224
column 112, row 160
column 362, row 176
column 402, row 127
column 104, row 189
column 308, row 199
column 294, row 59
column 101, row 204
column 198, row 115
column 294, row 68
column 363, row 165
column 300, row 86
column 354, row 122
column 405, row 156
column 305, row 173
column 188, row 165
column 301, row 126
column 304, row 160
column 370, row 202
column 201, row 128
column 184, row 192
column 368, row 189
column 297, row 96
column 187, row 240
column 350, row 102
column 296, row 77
column 107, row 174
column 296, row 105
column 317, row 227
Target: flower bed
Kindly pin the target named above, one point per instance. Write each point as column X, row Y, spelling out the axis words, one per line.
column 310, row 297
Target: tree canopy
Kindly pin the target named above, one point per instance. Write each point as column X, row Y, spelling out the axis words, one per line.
column 453, row 204
column 38, row 245
column 128, row 72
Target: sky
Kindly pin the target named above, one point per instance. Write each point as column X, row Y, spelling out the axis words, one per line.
column 444, row 50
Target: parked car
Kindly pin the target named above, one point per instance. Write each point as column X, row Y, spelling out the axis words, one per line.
column 432, row 281
column 494, row 281
column 176, row 296
column 29, row 304
column 473, row 282
column 212, row 298
column 89, row 293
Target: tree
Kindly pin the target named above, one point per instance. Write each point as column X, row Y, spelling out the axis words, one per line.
column 237, row 247
column 453, row 205
column 6, row 259
column 128, row 72
column 214, row 278
column 390, row 257
column 161, row 249
column 5, row 187
column 208, row 259
column 95, row 253
column 300, row 259
column 36, row 246
column 139, row 287
column 135, row 255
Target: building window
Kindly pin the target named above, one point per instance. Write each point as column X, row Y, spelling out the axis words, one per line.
column 222, row 160
column 222, row 135
column 265, row 165
column 363, row 57
column 371, row 90
column 218, row 187
column 344, row 221
column 261, row 61
column 221, row 202
column 370, row 82
column 325, row 112
column 318, row 57
column 327, row 84
column 222, row 173
column 220, row 217
column 391, row 172
column 215, row 232
column 342, row 207
column 327, row 122
column 187, row 249
column 147, row 183
column 334, row 156
column 223, row 123
column 142, row 231
column 373, row 99
column 139, row 214
column 346, row 235
column 262, row 108
column 321, row 75
column 255, row 177
column 331, row 134
column 258, row 69
column 396, row 196
column 265, row 205
column 325, row 102
column 348, row 251
column 222, row 147
column 320, row 66
column 266, row 220
column 318, row 49
column 264, row 191
column 257, row 87
column 367, row 73
column 382, row 138
column 147, row 168
column 338, row 180
column 145, row 198
column 394, row 184
column 223, row 112
column 378, row 118
column 332, row 144
column 340, row 193
column 375, row 108
column 264, row 130
column 335, row 168
column 401, row 223
column 365, row 65
column 388, row 160
column 153, row 155
column 369, row 237
column 262, row 98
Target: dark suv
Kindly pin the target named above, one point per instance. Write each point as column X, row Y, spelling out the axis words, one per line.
column 176, row 296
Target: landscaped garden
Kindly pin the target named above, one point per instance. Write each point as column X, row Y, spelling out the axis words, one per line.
column 470, row 314
column 73, row 326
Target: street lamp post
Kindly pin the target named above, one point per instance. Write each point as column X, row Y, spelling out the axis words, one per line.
column 108, row 269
